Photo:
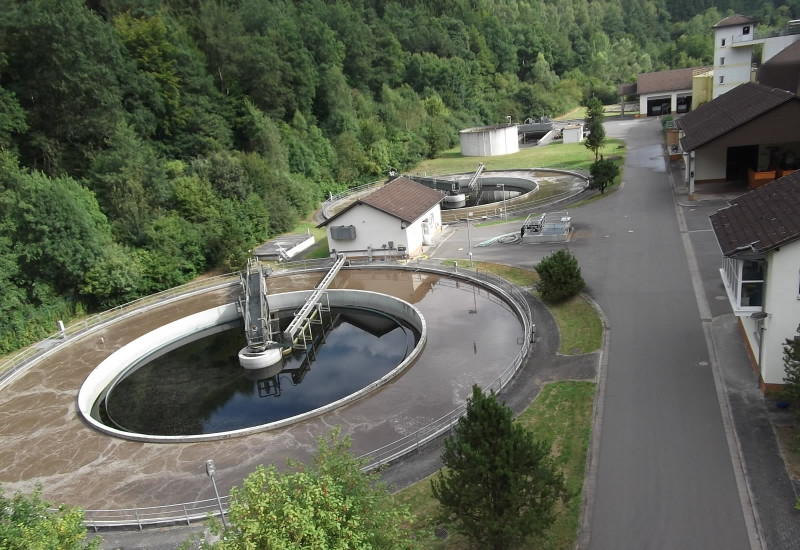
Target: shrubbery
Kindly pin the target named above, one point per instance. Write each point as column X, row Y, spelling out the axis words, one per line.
column 560, row 276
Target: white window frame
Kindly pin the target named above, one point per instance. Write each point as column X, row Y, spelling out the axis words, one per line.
column 731, row 272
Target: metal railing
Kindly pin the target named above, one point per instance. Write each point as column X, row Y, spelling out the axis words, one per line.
column 347, row 196
column 515, row 208
column 198, row 510
column 23, row 359
column 154, row 515
column 521, row 205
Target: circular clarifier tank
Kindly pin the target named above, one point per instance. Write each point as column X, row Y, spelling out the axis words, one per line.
column 183, row 381
column 197, row 386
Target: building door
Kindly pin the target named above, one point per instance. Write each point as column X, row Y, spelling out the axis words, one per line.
column 739, row 160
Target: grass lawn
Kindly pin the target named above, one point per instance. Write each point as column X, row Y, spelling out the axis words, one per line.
column 560, row 415
column 573, row 156
column 580, row 327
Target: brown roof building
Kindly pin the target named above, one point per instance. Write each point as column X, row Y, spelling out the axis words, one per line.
column 717, row 119
column 402, row 198
column 396, row 220
column 759, row 235
column 663, row 92
column 761, row 220
column 667, row 81
column 734, row 21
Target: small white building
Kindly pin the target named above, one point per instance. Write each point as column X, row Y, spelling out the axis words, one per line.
column 572, row 133
column 397, row 219
column 759, row 234
column 487, row 141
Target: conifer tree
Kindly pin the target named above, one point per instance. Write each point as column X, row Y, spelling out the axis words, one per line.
column 594, row 124
column 500, row 485
column 560, row 276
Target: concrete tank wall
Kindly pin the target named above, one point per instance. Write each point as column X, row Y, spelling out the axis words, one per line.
column 487, row 141
column 118, row 362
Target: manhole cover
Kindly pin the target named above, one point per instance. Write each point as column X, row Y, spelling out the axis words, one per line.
column 441, row 533
column 576, row 350
column 703, row 363
column 721, row 298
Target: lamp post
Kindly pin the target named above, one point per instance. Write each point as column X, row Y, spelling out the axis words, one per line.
column 469, row 239
column 211, row 470
column 502, row 187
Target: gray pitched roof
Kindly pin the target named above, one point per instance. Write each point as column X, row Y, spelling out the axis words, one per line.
column 402, row 198
column 761, row 220
column 728, row 111
column 734, row 20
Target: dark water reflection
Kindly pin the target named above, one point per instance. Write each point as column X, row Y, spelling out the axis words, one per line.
column 200, row 388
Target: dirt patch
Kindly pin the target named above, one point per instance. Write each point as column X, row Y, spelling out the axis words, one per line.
column 789, row 441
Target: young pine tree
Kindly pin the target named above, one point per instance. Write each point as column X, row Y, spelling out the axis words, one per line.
column 560, row 276
column 500, row 485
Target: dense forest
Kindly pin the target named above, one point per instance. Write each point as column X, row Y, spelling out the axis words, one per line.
column 145, row 142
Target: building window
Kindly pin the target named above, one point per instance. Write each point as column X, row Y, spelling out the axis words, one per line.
column 746, row 30
column 721, row 78
column 723, row 43
column 744, row 283
column 722, row 60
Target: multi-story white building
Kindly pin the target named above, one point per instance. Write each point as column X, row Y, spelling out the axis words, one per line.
column 734, row 39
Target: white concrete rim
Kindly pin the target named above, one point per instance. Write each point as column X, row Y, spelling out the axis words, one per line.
column 118, row 362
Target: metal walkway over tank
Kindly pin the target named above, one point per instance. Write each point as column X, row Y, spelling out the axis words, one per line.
column 474, row 185
column 298, row 330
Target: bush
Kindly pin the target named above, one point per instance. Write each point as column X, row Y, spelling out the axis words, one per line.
column 560, row 276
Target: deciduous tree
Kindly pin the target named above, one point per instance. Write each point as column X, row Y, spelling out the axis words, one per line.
column 27, row 522
column 330, row 504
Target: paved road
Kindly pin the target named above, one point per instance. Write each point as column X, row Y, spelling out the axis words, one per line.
column 665, row 478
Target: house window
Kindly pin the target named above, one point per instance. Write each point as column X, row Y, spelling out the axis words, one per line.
column 721, row 78
column 343, row 232
column 723, row 43
column 746, row 30
column 722, row 60
column 744, row 283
